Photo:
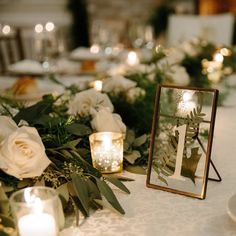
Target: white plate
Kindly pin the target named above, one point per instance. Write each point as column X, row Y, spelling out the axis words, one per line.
column 26, row 67
column 44, row 87
column 82, row 53
column 231, row 207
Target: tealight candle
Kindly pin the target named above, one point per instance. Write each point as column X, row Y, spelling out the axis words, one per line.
column 97, row 85
column 107, row 151
column 36, row 211
column 132, row 58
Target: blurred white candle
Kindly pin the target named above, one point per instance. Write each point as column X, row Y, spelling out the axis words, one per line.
column 97, row 85
column 36, row 211
column 6, row 29
column 132, row 59
column 37, row 224
column 186, row 105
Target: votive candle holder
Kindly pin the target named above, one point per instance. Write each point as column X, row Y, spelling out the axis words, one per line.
column 107, row 151
column 36, row 211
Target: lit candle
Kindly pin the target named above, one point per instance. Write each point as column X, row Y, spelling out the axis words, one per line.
column 36, row 211
column 213, row 68
column 95, row 48
column 6, row 29
column 107, row 151
column 97, row 85
column 132, row 58
column 186, row 105
column 37, row 224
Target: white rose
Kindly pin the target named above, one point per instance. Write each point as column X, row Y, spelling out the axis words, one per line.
column 178, row 75
column 117, row 84
column 191, row 48
column 135, row 93
column 173, row 56
column 7, row 126
column 22, row 153
column 85, row 102
column 104, row 120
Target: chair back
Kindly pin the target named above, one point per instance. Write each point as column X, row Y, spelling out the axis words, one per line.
column 11, row 48
column 214, row 28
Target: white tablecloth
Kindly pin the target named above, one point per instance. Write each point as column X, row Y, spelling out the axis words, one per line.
column 153, row 212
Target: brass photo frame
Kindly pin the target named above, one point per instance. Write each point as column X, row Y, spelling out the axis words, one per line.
column 183, row 125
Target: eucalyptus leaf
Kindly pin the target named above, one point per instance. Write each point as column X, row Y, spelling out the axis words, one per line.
column 130, row 136
column 117, row 183
column 78, row 129
column 63, row 191
column 136, row 169
column 140, row 140
column 132, row 157
column 34, row 112
column 4, row 203
column 93, row 190
column 81, row 190
column 72, row 144
column 7, row 221
column 24, row 183
column 109, row 195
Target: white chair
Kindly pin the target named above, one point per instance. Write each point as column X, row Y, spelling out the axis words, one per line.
column 215, row 28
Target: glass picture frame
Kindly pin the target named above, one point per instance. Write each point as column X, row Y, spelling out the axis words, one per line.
column 181, row 140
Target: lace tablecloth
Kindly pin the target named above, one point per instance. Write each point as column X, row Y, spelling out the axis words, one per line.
column 153, row 212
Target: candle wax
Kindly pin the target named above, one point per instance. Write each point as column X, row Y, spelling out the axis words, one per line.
column 37, row 224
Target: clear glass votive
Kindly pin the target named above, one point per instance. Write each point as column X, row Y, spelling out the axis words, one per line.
column 36, row 211
column 107, row 151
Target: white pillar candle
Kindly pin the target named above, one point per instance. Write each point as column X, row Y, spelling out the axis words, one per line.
column 37, row 224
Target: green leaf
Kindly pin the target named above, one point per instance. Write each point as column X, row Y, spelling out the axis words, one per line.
column 24, row 183
column 136, row 169
column 109, row 195
column 81, row 190
column 4, row 203
column 7, row 221
column 34, row 112
column 130, row 137
column 140, row 140
column 93, row 190
column 117, row 183
column 78, row 129
column 132, row 157
column 63, row 191
column 72, row 144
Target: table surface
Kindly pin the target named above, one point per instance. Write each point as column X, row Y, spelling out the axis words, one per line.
column 155, row 212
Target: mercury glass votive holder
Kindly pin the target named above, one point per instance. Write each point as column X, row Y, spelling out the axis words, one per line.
column 35, row 210
column 107, row 151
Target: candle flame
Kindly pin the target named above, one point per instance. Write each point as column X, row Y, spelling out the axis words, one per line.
column 49, row 26
column 106, row 141
column 132, row 58
column 218, row 57
column 32, row 199
column 97, row 85
column 38, row 28
column 6, row 29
